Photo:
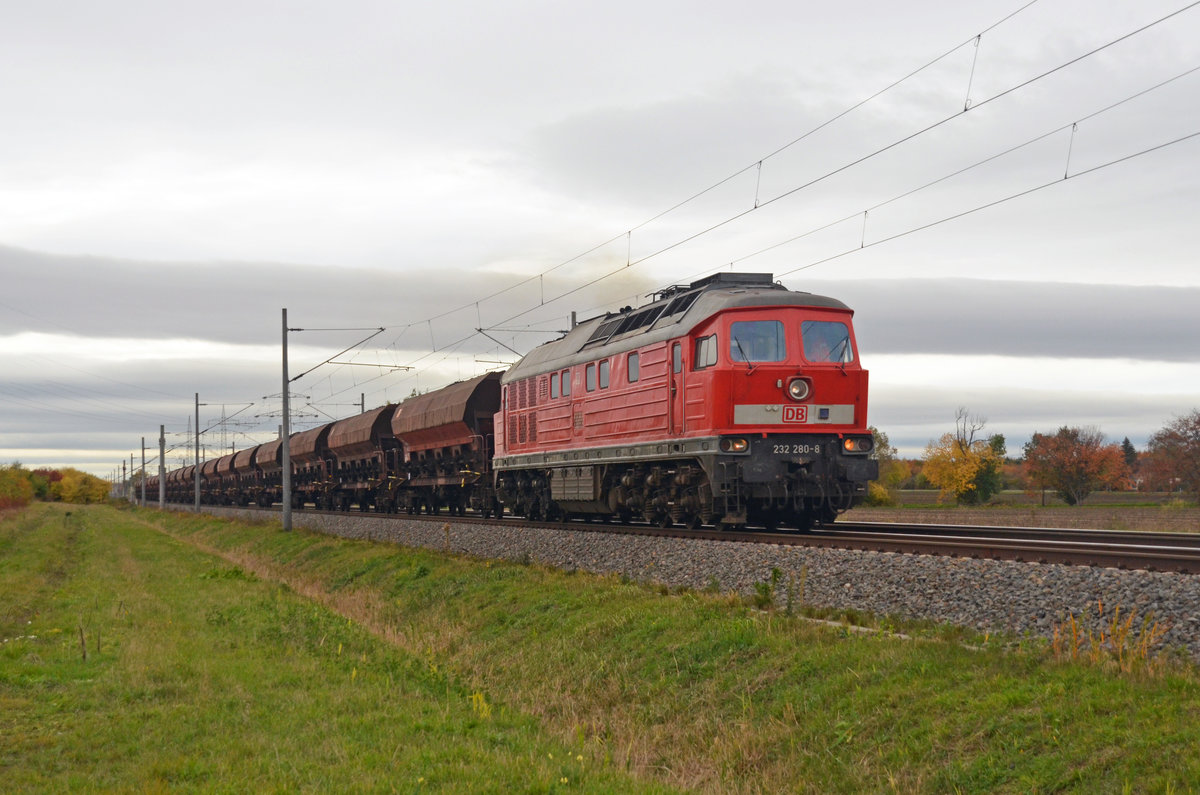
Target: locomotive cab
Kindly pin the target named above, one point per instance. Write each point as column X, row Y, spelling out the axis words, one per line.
column 787, row 399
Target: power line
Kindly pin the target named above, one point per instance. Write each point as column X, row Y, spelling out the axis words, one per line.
column 858, row 161
column 447, row 350
column 757, row 163
column 759, row 204
column 925, row 186
column 966, row 169
column 997, row 202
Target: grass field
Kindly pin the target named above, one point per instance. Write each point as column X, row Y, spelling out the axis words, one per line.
column 233, row 656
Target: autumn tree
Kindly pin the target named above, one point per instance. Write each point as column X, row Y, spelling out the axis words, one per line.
column 1074, row 462
column 892, row 471
column 1172, row 458
column 964, row 464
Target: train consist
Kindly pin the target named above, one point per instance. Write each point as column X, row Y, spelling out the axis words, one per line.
column 732, row 401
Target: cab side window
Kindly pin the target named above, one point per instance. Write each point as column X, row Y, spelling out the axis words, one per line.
column 706, row 352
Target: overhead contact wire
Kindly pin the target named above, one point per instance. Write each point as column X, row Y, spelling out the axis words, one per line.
column 739, row 172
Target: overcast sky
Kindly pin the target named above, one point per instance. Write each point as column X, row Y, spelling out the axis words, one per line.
column 172, row 175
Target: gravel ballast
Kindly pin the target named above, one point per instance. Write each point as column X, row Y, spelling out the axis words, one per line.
column 988, row 595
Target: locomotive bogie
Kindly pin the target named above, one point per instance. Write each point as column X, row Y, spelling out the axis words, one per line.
column 795, row 480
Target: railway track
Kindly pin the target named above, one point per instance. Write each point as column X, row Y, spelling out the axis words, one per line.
column 1116, row 549
column 1177, row 552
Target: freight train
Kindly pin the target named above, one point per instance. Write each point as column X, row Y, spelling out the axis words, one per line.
column 731, row 401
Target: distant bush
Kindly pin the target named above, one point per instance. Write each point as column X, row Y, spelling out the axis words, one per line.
column 79, row 487
column 16, row 491
column 880, row 496
column 41, row 480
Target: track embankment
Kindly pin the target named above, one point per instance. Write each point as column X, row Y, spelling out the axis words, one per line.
column 988, row 595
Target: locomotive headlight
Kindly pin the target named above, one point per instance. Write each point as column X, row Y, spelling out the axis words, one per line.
column 734, row 445
column 798, row 389
column 859, row 444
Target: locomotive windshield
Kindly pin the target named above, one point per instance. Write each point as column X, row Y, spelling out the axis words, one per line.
column 757, row 341
column 826, row 341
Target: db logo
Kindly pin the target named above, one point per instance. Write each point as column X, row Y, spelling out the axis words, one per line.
column 795, row 413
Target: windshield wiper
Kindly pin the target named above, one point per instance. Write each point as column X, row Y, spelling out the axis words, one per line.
column 841, row 352
column 745, row 358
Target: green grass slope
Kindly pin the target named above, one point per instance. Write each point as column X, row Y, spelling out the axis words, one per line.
column 233, row 656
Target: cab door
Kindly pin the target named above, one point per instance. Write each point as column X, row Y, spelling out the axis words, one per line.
column 576, row 394
column 676, row 424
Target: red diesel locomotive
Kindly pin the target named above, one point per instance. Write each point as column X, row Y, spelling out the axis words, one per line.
column 730, row 401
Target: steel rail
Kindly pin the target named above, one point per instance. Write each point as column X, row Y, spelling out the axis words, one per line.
column 1134, row 537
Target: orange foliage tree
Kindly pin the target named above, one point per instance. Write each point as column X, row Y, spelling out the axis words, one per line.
column 1075, row 462
column 1172, row 460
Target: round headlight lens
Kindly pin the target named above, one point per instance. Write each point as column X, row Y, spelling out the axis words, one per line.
column 862, row 444
column 798, row 389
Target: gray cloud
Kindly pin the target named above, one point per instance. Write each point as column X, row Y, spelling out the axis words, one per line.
column 913, row 417
column 1027, row 319
column 240, row 302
